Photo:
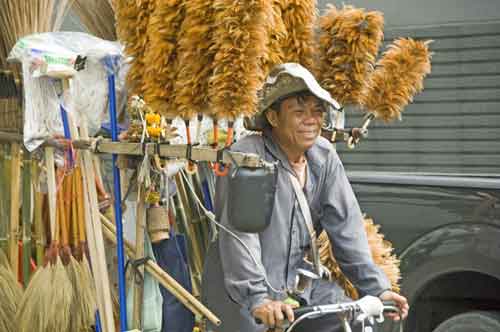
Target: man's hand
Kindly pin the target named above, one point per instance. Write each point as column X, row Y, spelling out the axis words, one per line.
column 401, row 302
column 272, row 314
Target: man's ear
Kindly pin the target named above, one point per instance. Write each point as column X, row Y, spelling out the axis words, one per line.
column 272, row 117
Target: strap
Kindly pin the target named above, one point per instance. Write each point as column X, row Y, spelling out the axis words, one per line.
column 306, row 212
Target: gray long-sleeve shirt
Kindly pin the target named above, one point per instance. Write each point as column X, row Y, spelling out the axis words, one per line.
column 281, row 247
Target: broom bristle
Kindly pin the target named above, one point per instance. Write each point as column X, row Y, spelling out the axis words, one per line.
column 240, row 40
column 397, row 79
column 160, row 56
column 299, row 17
column 382, row 254
column 349, row 42
column 10, row 295
column 32, row 313
column 97, row 16
column 60, row 298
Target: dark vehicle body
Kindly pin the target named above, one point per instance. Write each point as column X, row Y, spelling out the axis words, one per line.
column 446, row 231
column 432, row 181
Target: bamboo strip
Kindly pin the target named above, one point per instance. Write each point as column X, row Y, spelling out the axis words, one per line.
column 139, row 252
column 38, row 235
column 26, row 215
column 14, row 207
column 163, row 277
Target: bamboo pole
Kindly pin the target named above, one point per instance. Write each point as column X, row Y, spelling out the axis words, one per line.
column 139, row 252
column 39, row 234
column 3, row 199
column 163, row 277
column 26, row 215
column 14, row 207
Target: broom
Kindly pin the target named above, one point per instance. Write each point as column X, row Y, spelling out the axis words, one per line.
column 240, row 41
column 382, row 255
column 397, row 78
column 97, row 16
column 349, row 40
column 88, row 295
column 45, row 303
column 10, row 293
column 299, row 18
column 160, row 55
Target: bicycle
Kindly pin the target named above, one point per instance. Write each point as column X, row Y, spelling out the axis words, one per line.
column 368, row 308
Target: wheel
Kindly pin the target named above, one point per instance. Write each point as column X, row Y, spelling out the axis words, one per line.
column 474, row 321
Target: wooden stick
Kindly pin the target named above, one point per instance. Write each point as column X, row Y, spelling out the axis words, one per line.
column 14, row 206
column 26, row 215
column 38, row 235
column 140, row 228
column 163, row 277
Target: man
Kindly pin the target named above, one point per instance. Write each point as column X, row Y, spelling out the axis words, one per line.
column 260, row 277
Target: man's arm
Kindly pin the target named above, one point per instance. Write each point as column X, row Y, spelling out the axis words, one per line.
column 343, row 222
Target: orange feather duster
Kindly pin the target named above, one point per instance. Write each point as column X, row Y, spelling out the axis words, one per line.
column 349, row 41
column 398, row 77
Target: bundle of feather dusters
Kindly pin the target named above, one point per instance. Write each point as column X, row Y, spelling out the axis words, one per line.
column 299, row 17
column 349, row 41
column 161, row 56
column 132, row 19
column 398, row 76
column 196, row 53
column 382, row 254
column 240, row 40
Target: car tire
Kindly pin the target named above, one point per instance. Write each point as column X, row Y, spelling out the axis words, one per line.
column 474, row 321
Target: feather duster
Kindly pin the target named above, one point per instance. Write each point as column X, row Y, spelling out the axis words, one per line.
column 349, row 41
column 195, row 54
column 161, row 56
column 398, row 76
column 240, row 41
column 381, row 253
column 277, row 36
column 299, row 18
column 132, row 19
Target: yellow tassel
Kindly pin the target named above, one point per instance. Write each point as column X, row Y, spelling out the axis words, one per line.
column 160, row 56
column 240, row 39
column 196, row 54
column 349, row 41
column 299, row 18
column 382, row 254
column 397, row 79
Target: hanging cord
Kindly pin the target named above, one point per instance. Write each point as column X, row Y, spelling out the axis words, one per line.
column 219, row 168
column 211, row 217
column 191, row 167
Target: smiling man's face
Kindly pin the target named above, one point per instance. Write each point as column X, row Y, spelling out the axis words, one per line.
column 298, row 122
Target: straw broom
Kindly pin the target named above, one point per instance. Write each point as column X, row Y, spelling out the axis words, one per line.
column 45, row 303
column 382, row 255
column 398, row 77
column 10, row 293
column 160, row 55
column 349, row 41
column 132, row 18
column 240, row 40
column 299, row 18
column 88, row 295
column 195, row 54
column 97, row 16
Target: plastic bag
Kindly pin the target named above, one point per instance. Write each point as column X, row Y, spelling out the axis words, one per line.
column 48, row 57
